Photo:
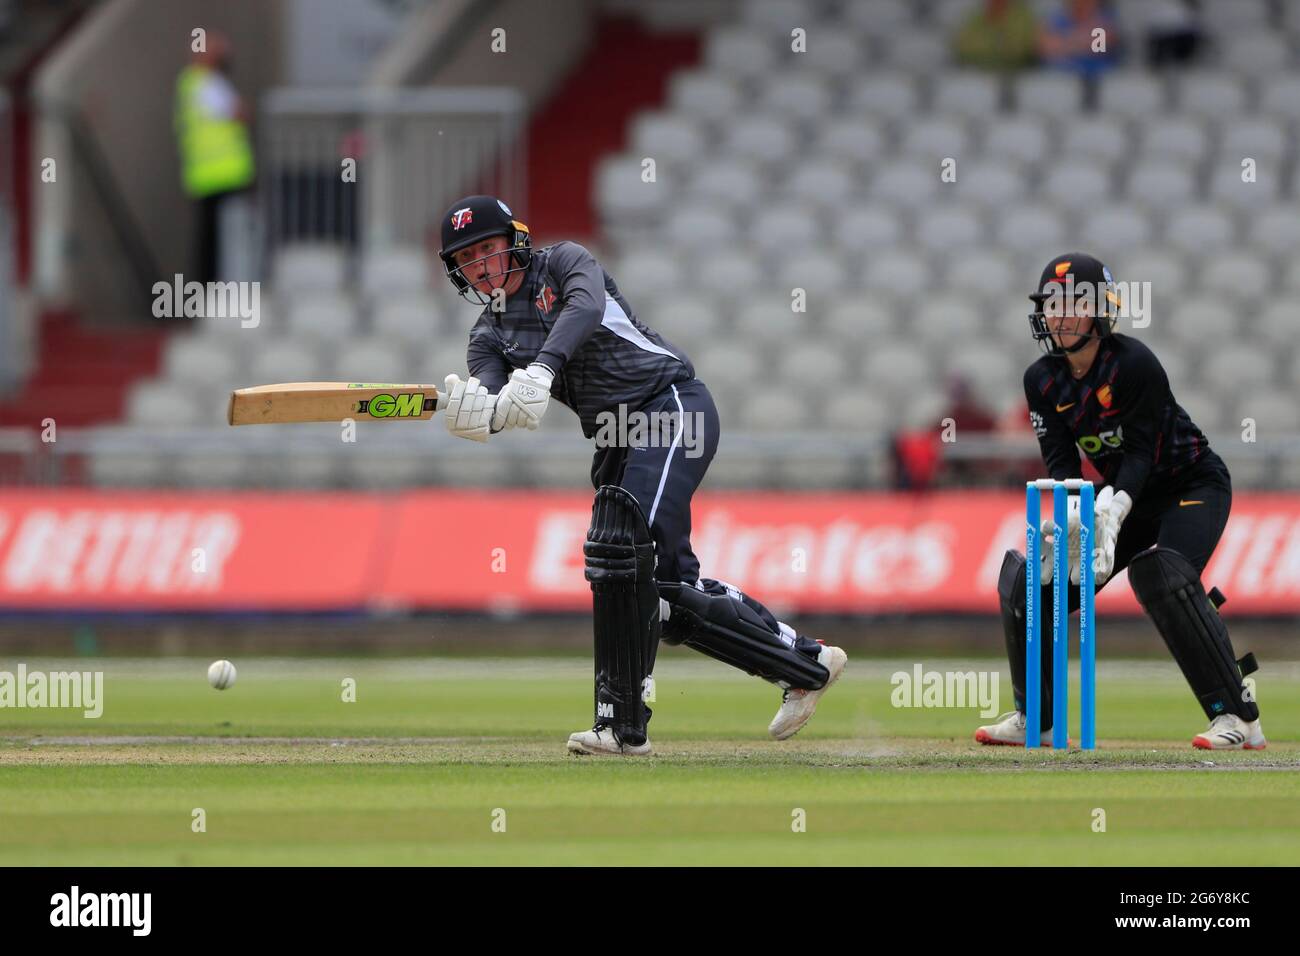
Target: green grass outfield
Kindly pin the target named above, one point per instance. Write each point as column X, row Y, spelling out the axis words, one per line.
column 412, row 772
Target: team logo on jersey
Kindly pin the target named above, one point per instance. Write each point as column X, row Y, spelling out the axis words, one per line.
column 545, row 299
column 1104, row 396
column 462, row 218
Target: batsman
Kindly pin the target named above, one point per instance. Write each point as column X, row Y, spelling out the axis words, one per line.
column 1161, row 511
column 554, row 325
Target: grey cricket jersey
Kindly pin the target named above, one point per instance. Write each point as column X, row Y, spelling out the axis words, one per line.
column 570, row 315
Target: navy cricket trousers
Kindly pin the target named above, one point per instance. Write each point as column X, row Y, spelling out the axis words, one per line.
column 663, row 472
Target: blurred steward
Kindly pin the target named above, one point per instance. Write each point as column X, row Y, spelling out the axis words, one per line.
column 1002, row 35
column 1174, row 35
column 215, row 151
column 970, row 417
column 1069, row 36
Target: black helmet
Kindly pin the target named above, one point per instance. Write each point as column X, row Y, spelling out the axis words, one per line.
column 1081, row 276
column 472, row 219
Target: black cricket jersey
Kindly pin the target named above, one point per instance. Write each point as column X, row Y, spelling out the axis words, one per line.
column 1121, row 414
column 569, row 315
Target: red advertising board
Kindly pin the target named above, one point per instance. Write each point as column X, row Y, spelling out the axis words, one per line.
column 491, row 550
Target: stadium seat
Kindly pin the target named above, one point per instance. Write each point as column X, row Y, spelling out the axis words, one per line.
column 624, row 196
column 920, row 51
column 1225, row 16
column 867, row 227
column 667, row 137
column 820, row 274
column 949, row 228
column 1164, row 270
column 896, row 366
column 1229, row 189
column 1076, row 185
column 853, row 142
column 1096, row 138
column 703, row 94
column 739, row 51
column 934, row 138
column 880, row 18
column 1276, row 325
column 785, row 225
column 821, row 182
column 409, row 320
column 396, row 271
column 954, row 317
column 1232, row 368
column 1137, row 96
column 1256, row 53
column 1021, row 139
column 1112, row 229
column 1264, row 139
column 731, row 180
column 322, row 317
column 1275, row 412
column 909, row 183
column 681, row 318
column 899, row 273
column 1211, row 95
column 1175, row 138
column 1192, row 322
column 987, row 273
column 1199, row 229
column 858, row 411
column 830, row 50
column 965, row 93
column 648, row 272
column 285, row 360
column 202, row 360
column 771, row 410
column 369, row 359
column 1280, row 96
column 805, row 95
column 778, row 15
column 818, row 365
column 1160, row 184
column 692, row 225
column 885, row 94
column 308, row 268
column 766, row 138
column 864, row 320
column 1237, row 278
column 163, row 404
column 1047, row 94
column 722, row 273
column 1030, row 227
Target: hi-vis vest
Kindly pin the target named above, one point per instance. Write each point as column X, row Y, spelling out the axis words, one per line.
column 216, row 156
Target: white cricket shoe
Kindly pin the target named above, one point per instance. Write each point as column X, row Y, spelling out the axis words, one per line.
column 601, row 740
column 797, row 705
column 1009, row 731
column 1230, row 732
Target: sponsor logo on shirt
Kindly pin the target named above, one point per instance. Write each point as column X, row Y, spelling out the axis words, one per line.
column 1104, row 396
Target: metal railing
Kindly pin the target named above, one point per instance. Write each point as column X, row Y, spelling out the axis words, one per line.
column 158, row 458
column 415, row 152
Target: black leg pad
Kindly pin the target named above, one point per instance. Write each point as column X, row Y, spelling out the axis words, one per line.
column 1169, row 589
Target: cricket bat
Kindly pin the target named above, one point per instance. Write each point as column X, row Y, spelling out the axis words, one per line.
column 333, row 402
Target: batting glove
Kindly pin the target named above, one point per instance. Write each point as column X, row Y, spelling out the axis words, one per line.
column 522, row 403
column 1110, row 509
column 1072, row 536
column 469, row 408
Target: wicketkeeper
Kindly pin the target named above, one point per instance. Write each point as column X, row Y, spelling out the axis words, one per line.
column 555, row 325
column 1160, row 514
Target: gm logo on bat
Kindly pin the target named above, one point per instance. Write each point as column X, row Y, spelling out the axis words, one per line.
column 403, row 405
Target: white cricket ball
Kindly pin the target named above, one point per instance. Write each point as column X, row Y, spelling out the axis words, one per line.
column 221, row 674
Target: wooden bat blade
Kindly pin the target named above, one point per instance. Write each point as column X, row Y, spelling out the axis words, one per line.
column 333, row 402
